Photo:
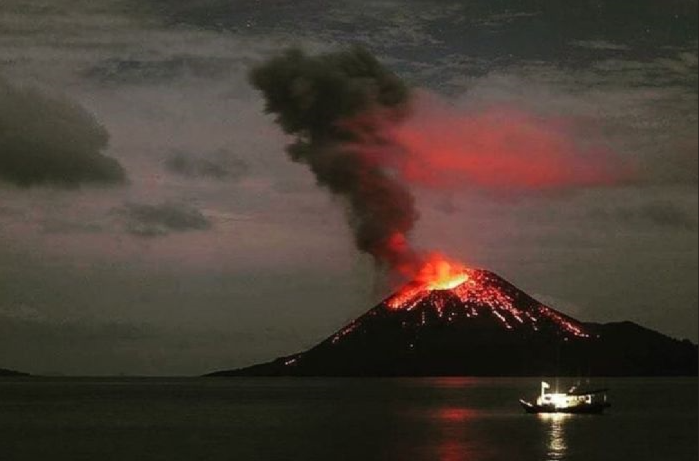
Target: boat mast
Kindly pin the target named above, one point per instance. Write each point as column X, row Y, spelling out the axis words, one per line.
column 544, row 386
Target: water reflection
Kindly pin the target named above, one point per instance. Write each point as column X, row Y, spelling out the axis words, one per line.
column 452, row 450
column 557, row 448
column 455, row 415
column 455, row 442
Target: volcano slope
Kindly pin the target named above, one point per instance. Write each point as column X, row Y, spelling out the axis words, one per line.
column 481, row 325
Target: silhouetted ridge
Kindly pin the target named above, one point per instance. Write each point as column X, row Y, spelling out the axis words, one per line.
column 6, row 373
column 484, row 326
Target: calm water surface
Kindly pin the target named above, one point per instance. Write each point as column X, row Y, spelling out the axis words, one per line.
column 336, row 419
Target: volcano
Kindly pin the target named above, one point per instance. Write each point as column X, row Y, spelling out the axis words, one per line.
column 466, row 322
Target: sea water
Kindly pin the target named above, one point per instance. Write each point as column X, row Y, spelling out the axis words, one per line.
column 337, row 419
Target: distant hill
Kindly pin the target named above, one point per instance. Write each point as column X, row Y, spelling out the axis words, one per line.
column 485, row 326
column 6, row 373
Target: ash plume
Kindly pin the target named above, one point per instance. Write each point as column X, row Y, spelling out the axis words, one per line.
column 332, row 104
column 369, row 139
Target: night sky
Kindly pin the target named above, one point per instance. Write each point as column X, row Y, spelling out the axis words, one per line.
column 151, row 222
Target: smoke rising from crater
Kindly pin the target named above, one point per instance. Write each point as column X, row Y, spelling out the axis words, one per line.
column 327, row 103
column 368, row 139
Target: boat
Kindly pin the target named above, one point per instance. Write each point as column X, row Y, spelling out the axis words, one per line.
column 575, row 401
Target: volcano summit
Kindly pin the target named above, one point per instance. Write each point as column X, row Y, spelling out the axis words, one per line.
column 453, row 321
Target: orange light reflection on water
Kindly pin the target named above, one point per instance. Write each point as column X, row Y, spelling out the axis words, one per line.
column 456, row 414
column 453, row 450
column 456, row 441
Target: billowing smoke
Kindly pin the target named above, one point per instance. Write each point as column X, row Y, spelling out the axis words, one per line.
column 368, row 139
column 329, row 103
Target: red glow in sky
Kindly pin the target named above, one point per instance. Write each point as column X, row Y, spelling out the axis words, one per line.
column 500, row 150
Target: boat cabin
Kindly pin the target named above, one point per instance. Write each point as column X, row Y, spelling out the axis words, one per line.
column 574, row 401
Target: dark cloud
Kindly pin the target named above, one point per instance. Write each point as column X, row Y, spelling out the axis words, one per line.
column 666, row 214
column 498, row 32
column 140, row 71
column 50, row 141
column 145, row 220
column 331, row 103
column 219, row 166
column 661, row 214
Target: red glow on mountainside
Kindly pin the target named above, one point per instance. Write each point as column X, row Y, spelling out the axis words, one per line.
column 436, row 273
column 439, row 273
column 478, row 292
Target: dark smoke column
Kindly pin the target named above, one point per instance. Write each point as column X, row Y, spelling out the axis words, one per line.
column 333, row 103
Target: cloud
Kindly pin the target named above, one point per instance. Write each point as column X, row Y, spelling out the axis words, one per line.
column 142, row 71
column 500, row 20
column 645, row 111
column 668, row 215
column 51, row 141
column 22, row 312
column 145, row 220
column 218, row 165
column 66, row 226
column 660, row 214
column 153, row 98
column 600, row 45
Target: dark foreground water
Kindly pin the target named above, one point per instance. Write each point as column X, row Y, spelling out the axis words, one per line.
column 337, row 419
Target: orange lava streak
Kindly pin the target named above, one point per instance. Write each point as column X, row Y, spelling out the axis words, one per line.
column 479, row 292
column 437, row 273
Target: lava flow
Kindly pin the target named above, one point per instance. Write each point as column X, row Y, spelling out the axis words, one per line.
column 437, row 273
column 454, row 290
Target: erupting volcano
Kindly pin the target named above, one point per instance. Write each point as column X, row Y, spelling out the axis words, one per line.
column 360, row 130
column 455, row 321
column 456, row 293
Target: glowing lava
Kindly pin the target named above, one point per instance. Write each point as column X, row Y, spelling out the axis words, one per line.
column 439, row 273
column 444, row 284
column 436, row 274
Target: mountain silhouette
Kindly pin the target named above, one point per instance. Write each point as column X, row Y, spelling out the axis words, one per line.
column 481, row 325
column 4, row 373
